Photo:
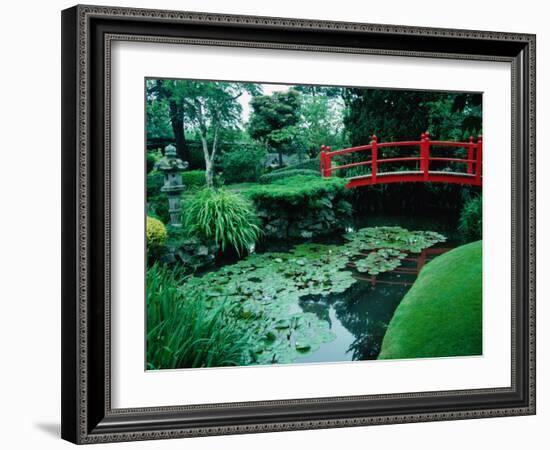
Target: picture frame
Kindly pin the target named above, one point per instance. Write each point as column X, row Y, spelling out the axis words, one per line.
column 87, row 413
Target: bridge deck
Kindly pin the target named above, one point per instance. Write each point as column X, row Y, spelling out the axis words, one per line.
column 414, row 173
column 412, row 176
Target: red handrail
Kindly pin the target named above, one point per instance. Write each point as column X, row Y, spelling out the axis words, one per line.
column 473, row 162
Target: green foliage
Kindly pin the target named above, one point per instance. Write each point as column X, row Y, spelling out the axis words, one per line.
column 274, row 119
column 184, row 330
column 243, row 164
column 153, row 156
column 225, row 217
column 380, row 249
column 378, row 261
column 296, row 189
column 156, row 236
column 397, row 238
column 158, row 119
column 194, row 178
column 269, row 286
column 274, row 176
column 310, row 164
column 442, row 313
column 322, row 121
column 471, row 219
column 157, row 201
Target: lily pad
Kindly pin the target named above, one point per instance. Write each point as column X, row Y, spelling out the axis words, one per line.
column 269, row 286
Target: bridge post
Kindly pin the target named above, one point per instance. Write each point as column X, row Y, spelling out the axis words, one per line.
column 425, row 154
column 322, row 160
column 470, row 154
column 479, row 159
column 374, row 158
column 328, row 163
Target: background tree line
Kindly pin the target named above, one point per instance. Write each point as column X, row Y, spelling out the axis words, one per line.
column 204, row 119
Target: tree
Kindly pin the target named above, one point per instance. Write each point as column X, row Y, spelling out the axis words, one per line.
column 167, row 96
column 274, row 120
column 321, row 121
column 209, row 107
column 393, row 115
column 396, row 115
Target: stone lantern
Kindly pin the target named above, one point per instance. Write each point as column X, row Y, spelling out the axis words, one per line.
column 172, row 167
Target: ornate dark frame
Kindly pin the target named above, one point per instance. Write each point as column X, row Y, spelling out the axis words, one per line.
column 87, row 416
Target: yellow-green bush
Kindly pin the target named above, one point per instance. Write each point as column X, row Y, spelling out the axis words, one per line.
column 156, row 234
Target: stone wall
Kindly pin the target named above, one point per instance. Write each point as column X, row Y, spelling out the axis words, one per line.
column 304, row 221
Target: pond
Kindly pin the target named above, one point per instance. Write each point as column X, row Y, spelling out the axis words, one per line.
column 359, row 316
column 331, row 299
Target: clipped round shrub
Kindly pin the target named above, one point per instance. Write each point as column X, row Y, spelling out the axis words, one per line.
column 471, row 220
column 156, row 234
column 274, row 176
column 225, row 217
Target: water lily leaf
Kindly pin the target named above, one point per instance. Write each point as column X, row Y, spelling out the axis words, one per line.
column 268, row 286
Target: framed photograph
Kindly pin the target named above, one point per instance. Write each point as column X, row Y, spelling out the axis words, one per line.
column 279, row 224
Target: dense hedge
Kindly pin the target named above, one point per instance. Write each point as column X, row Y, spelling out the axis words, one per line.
column 274, row 176
column 301, row 206
column 296, row 189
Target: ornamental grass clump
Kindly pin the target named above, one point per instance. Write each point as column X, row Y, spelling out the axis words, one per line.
column 184, row 330
column 225, row 217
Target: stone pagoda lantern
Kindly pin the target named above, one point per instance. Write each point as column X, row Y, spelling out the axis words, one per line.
column 172, row 167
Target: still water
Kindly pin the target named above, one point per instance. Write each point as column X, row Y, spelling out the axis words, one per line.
column 360, row 316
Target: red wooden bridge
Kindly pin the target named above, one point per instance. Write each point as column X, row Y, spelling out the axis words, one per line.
column 421, row 173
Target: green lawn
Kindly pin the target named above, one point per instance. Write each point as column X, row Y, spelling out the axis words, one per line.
column 442, row 313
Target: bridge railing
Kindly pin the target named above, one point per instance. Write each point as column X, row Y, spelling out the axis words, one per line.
column 473, row 161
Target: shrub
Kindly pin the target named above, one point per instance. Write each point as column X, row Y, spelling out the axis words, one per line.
column 301, row 206
column 471, row 220
column 156, row 233
column 225, row 217
column 153, row 156
column 194, row 178
column 310, row 164
column 296, row 189
column 184, row 330
column 274, row 176
column 242, row 165
column 156, row 236
column 157, row 201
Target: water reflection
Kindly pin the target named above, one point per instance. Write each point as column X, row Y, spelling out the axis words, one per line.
column 360, row 316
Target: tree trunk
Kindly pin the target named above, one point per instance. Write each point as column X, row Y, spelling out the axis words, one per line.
column 176, row 119
column 209, row 173
column 280, row 158
column 208, row 162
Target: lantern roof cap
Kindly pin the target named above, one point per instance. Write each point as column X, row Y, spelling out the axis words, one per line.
column 170, row 162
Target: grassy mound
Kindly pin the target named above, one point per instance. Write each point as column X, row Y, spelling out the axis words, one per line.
column 441, row 314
